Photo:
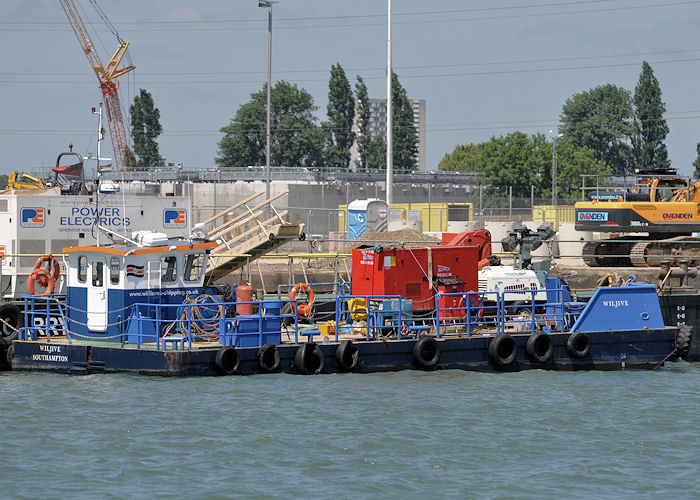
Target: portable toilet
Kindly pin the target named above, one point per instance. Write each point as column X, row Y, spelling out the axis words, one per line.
column 371, row 215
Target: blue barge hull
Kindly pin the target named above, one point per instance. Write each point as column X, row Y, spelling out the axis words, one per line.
column 640, row 349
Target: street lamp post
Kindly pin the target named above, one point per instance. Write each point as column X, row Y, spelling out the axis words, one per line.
column 555, row 138
column 268, row 5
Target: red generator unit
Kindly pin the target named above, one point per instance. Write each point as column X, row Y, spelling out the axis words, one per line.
column 417, row 274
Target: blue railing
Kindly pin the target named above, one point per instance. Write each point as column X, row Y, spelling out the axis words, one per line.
column 263, row 326
column 381, row 315
column 471, row 310
column 44, row 315
column 496, row 312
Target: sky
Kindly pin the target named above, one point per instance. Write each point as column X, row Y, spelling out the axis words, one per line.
column 485, row 67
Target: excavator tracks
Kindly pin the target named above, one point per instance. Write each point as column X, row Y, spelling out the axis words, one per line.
column 673, row 251
column 608, row 253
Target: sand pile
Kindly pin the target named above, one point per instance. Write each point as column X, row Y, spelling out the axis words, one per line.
column 405, row 237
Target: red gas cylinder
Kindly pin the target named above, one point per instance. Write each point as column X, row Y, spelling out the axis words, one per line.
column 244, row 293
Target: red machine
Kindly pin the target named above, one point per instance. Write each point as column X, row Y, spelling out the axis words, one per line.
column 419, row 273
column 481, row 239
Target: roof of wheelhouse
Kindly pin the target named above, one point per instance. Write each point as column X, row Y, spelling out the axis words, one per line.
column 143, row 250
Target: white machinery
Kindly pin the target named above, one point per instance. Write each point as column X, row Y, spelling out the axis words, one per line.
column 512, row 280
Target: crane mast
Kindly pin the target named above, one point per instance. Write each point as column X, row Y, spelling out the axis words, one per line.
column 107, row 76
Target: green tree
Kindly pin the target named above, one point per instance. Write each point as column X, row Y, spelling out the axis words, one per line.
column 516, row 160
column 696, row 163
column 296, row 139
column 405, row 141
column 376, row 157
column 3, row 181
column 601, row 119
column 341, row 111
column 573, row 162
column 650, row 128
column 520, row 160
column 464, row 158
column 145, row 128
column 363, row 137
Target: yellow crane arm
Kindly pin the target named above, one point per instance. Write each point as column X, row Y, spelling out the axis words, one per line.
column 103, row 73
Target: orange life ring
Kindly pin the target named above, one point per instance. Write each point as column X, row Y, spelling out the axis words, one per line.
column 41, row 276
column 474, row 303
column 51, row 261
column 304, row 309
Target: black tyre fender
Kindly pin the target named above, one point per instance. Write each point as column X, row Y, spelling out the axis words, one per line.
column 503, row 350
column 347, row 356
column 227, row 360
column 302, row 236
column 684, row 337
column 578, row 345
column 539, row 347
column 309, row 359
column 10, row 354
column 271, row 237
column 426, row 353
column 12, row 315
column 268, row 358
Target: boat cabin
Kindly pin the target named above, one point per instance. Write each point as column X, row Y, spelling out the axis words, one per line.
column 104, row 281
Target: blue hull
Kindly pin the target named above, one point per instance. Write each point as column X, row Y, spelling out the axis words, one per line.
column 637, row 349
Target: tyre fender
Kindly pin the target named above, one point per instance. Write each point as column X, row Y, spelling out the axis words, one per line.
column 347, row 356
column 426, row 353
column 268, row 358
column 503, row 350
column 12, row 320
column 227, row 360
column 578, row 345
column 540, row 347
column 309, row 359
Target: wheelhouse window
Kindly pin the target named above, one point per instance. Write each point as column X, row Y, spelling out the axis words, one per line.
column 98, row 273
column 193, row 266
column 168, row 269
column 114, row 270
column 82, row 269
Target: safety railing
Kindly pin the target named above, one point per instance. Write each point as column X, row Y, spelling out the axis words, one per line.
column 184, row 324
column 471, row 311
column 383, row 315
column 518, row 311
column 44, row 315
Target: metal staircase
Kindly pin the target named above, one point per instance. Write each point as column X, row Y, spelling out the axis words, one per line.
column 244, row 233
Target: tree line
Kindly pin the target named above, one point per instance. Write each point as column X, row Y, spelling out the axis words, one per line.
column 605, row 130
column 297, row 136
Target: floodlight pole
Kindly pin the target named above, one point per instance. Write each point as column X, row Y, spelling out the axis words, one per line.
column 389, row 117
column 268, row 5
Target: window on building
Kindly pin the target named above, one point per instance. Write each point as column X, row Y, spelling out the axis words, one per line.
column 168, row 269
column 193, row 266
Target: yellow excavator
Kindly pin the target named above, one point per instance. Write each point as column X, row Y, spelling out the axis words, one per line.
column 18, row 180
column 663, row 205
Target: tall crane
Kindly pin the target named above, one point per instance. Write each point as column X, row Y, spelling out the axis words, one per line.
column 107, row 76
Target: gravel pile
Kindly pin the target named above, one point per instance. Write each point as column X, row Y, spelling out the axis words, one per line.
column 407, row 237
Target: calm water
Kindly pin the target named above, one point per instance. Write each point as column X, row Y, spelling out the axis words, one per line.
column 411, row 435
